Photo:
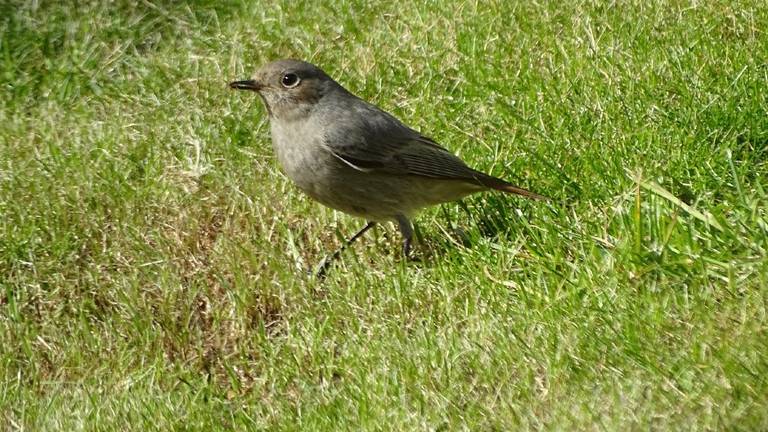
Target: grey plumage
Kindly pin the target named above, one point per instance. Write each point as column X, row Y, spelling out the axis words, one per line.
column 352, row 156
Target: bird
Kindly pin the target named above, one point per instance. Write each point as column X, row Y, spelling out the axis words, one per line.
column 352, row 156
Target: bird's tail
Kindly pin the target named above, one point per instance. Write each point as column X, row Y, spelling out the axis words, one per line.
column 504, row 186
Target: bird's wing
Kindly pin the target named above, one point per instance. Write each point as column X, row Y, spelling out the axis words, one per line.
column 374, row 141
column 414, row 156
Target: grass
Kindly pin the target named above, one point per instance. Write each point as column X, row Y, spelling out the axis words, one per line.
column 152, row 255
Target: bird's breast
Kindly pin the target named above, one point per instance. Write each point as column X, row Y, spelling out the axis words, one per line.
column 301, row 157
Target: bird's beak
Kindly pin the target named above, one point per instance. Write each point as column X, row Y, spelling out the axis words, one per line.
column 246, row 85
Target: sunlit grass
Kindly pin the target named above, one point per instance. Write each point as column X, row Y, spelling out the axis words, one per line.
column 153, row 258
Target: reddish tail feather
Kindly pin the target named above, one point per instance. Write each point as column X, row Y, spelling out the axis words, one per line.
column 504, row 186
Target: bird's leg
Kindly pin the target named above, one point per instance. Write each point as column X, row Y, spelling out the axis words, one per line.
column 325, row 264
column 406, row 229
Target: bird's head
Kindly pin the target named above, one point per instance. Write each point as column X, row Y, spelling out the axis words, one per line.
column 289, row 88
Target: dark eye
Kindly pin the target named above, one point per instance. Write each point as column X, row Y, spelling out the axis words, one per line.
column 290, row 80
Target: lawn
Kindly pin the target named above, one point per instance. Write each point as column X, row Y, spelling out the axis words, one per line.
column 153, row 258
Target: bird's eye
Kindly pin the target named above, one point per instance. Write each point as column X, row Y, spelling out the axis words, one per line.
column 290, row 80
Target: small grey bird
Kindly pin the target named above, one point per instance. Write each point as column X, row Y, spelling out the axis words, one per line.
column 352, row 156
